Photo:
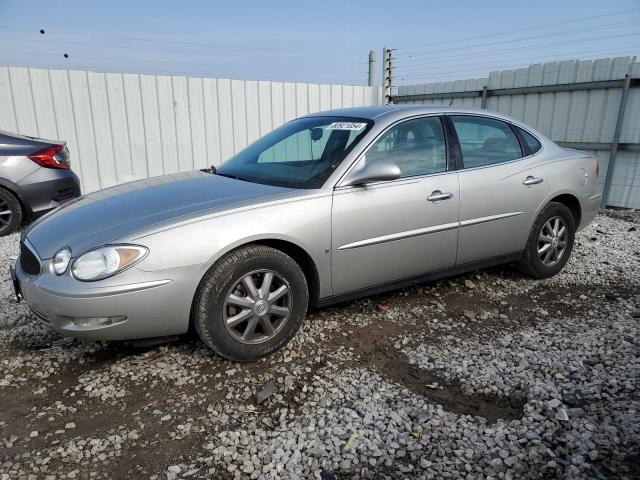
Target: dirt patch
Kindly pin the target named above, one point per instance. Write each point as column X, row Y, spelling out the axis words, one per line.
column 374, row 349
column 374, row 346
column 631, row 216
column 393, row 365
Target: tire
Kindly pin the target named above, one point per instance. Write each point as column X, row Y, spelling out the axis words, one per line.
column 542, row 265
column 214, row 308
column 9, row 222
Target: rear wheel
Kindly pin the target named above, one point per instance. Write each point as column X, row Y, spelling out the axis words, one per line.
column 550, row 242
column 10, row 213
column 250, row 303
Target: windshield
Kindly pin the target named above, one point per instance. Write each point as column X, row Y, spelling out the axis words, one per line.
column 300, row 154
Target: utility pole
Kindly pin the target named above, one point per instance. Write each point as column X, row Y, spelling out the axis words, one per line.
column 386, row 75
column 616, row 139
column 372, row 68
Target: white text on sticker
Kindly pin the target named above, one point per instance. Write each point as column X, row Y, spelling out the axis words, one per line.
column 347, row 126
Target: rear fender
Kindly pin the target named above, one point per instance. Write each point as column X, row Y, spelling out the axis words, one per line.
column 16, row 191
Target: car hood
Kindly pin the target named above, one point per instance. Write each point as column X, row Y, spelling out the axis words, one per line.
column 106, row 215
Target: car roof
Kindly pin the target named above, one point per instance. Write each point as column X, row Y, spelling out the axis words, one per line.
column 378, row 112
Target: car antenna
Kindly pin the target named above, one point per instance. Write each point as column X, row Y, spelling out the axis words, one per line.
column 451, row 102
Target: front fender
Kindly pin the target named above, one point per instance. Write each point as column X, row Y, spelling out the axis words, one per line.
column 305, row 223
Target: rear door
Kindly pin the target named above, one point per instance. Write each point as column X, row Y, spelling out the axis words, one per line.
column 387, row 231
column 501, row 188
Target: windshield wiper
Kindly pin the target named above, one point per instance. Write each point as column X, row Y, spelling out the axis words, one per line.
column 214, row 171
column 228, row 175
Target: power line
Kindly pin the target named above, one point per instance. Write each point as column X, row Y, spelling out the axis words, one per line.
column 177, row 42
column 563, row 22
column 520, row 48
column 562, row 33
column 170, row 62
column 462, row 60
column 202, row 54
column 564, row 56
column 479, row 69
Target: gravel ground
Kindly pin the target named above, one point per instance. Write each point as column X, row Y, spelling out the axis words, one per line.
column 487, row 375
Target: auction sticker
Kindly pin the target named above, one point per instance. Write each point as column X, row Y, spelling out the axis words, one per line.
column 346, row 126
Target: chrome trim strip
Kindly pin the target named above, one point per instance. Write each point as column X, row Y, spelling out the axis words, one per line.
column 107, row 291
column 425, row 231
column 490, row 218
column 597, row 196
column 400, row 236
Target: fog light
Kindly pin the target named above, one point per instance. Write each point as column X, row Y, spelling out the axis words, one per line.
column 88, row 322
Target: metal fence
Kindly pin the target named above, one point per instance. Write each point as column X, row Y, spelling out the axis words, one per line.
column 122, row 127
column 576, row 103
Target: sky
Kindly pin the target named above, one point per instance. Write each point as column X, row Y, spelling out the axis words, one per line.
column 324, row 41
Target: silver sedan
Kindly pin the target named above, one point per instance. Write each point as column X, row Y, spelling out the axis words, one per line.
column 328, row 207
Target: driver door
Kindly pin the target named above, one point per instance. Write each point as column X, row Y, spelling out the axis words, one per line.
column 391, row 230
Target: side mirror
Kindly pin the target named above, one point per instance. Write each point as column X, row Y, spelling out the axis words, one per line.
column 373, row 172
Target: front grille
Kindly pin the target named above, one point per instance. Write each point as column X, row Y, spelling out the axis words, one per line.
column 29, row 262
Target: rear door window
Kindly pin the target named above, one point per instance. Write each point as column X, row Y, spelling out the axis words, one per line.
column 485, row 141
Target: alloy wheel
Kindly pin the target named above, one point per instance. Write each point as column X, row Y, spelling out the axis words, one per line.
column 257, row 306
column 552, row 241
column 6, row 215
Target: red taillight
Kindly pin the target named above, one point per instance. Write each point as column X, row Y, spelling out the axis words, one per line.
column 597, row 168
column 48, row 158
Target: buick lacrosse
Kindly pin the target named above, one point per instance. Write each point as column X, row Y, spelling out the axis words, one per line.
column 328, row 207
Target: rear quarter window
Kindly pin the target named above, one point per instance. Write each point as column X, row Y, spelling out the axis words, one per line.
column 532, row 142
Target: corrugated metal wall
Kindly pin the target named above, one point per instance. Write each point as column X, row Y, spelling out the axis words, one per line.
column 581, row 116
column 122, row 127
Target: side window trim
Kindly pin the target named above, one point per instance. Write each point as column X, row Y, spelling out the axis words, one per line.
column 454, row 152
column 522, row 130
column 524, row 146
column 443, row 122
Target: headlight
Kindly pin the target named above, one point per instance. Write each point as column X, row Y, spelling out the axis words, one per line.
column 61, row 261
column 107, row 261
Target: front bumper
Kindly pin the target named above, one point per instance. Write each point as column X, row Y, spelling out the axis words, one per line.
column 146, row 304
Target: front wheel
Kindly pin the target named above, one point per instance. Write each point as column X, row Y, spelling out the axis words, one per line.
column 550, row 242
column 250, row 303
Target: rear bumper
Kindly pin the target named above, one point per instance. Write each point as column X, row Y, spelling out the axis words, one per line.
column 590, row 206
column 48, row 188
column 141, row 304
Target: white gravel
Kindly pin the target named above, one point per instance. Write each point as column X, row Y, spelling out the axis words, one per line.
column 488, row 375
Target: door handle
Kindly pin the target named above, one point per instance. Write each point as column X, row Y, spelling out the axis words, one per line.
column 532, row 181
column 437, row 195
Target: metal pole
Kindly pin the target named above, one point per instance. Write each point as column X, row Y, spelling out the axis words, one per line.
column 372, row 68
column 483, row 102
column 386, row 75
column 616, row 141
